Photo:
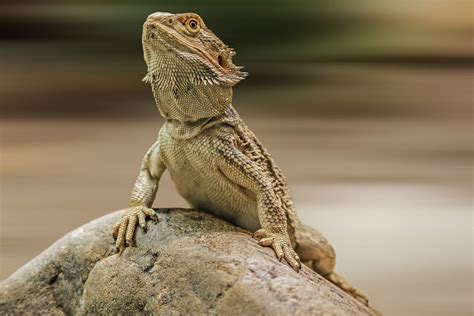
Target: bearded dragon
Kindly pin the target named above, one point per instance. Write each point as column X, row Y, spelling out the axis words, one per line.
column 215, row 161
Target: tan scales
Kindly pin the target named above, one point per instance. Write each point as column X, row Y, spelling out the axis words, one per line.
column 215, row 161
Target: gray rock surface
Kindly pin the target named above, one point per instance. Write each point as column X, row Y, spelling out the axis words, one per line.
column 190, row 263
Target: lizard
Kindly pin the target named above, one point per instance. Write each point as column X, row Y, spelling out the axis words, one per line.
column 215, row 161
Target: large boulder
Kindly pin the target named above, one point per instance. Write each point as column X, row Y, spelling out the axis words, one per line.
column 189, row 263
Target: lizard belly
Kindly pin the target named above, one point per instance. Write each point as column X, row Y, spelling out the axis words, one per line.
column 200, row 182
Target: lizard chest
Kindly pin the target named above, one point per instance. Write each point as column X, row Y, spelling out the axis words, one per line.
column 193, row 167
column 186, row 156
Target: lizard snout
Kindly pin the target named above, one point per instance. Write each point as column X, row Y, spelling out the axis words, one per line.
column 159, row 17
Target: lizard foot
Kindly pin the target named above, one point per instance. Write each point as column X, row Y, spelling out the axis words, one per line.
column 124, row 230
column 280, row 243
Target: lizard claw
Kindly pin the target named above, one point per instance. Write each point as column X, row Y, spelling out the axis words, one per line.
column 119, row 250
column 280, row 243
column 124, row 230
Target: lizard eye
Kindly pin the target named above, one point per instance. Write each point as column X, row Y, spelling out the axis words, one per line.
column 193, row 25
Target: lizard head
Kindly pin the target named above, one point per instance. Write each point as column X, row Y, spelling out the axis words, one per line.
column 189, row 68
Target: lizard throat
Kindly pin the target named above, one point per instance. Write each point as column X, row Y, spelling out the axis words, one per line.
column 186, row 102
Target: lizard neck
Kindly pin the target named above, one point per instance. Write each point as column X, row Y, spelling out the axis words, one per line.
column 189, row 129
column 188, row 102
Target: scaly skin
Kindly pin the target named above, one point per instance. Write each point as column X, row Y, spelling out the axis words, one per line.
column 214, row 159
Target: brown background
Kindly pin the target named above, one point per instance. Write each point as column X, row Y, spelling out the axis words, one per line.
column 365, row 105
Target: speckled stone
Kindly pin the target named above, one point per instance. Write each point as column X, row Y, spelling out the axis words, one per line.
column 188, row 263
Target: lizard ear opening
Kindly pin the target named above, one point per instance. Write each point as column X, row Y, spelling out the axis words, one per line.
column 232, row 73
column 220, row 60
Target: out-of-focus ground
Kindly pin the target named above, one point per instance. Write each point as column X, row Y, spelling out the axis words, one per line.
column 367, row 108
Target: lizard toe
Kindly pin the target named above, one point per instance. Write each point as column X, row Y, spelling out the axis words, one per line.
column 292, row 258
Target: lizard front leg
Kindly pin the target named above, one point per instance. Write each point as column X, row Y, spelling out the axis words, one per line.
column 141, row 200
column 243, row 171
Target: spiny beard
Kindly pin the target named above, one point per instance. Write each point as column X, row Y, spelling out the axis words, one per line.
column 179, row 68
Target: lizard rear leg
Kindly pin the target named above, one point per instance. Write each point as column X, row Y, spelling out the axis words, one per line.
column 316, row 253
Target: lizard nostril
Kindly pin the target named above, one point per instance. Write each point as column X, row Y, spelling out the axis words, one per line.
column 170, row 21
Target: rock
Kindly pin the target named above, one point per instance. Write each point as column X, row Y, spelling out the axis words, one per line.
column 188, row 263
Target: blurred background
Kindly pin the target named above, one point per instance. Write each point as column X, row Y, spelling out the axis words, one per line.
column 366, row 105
